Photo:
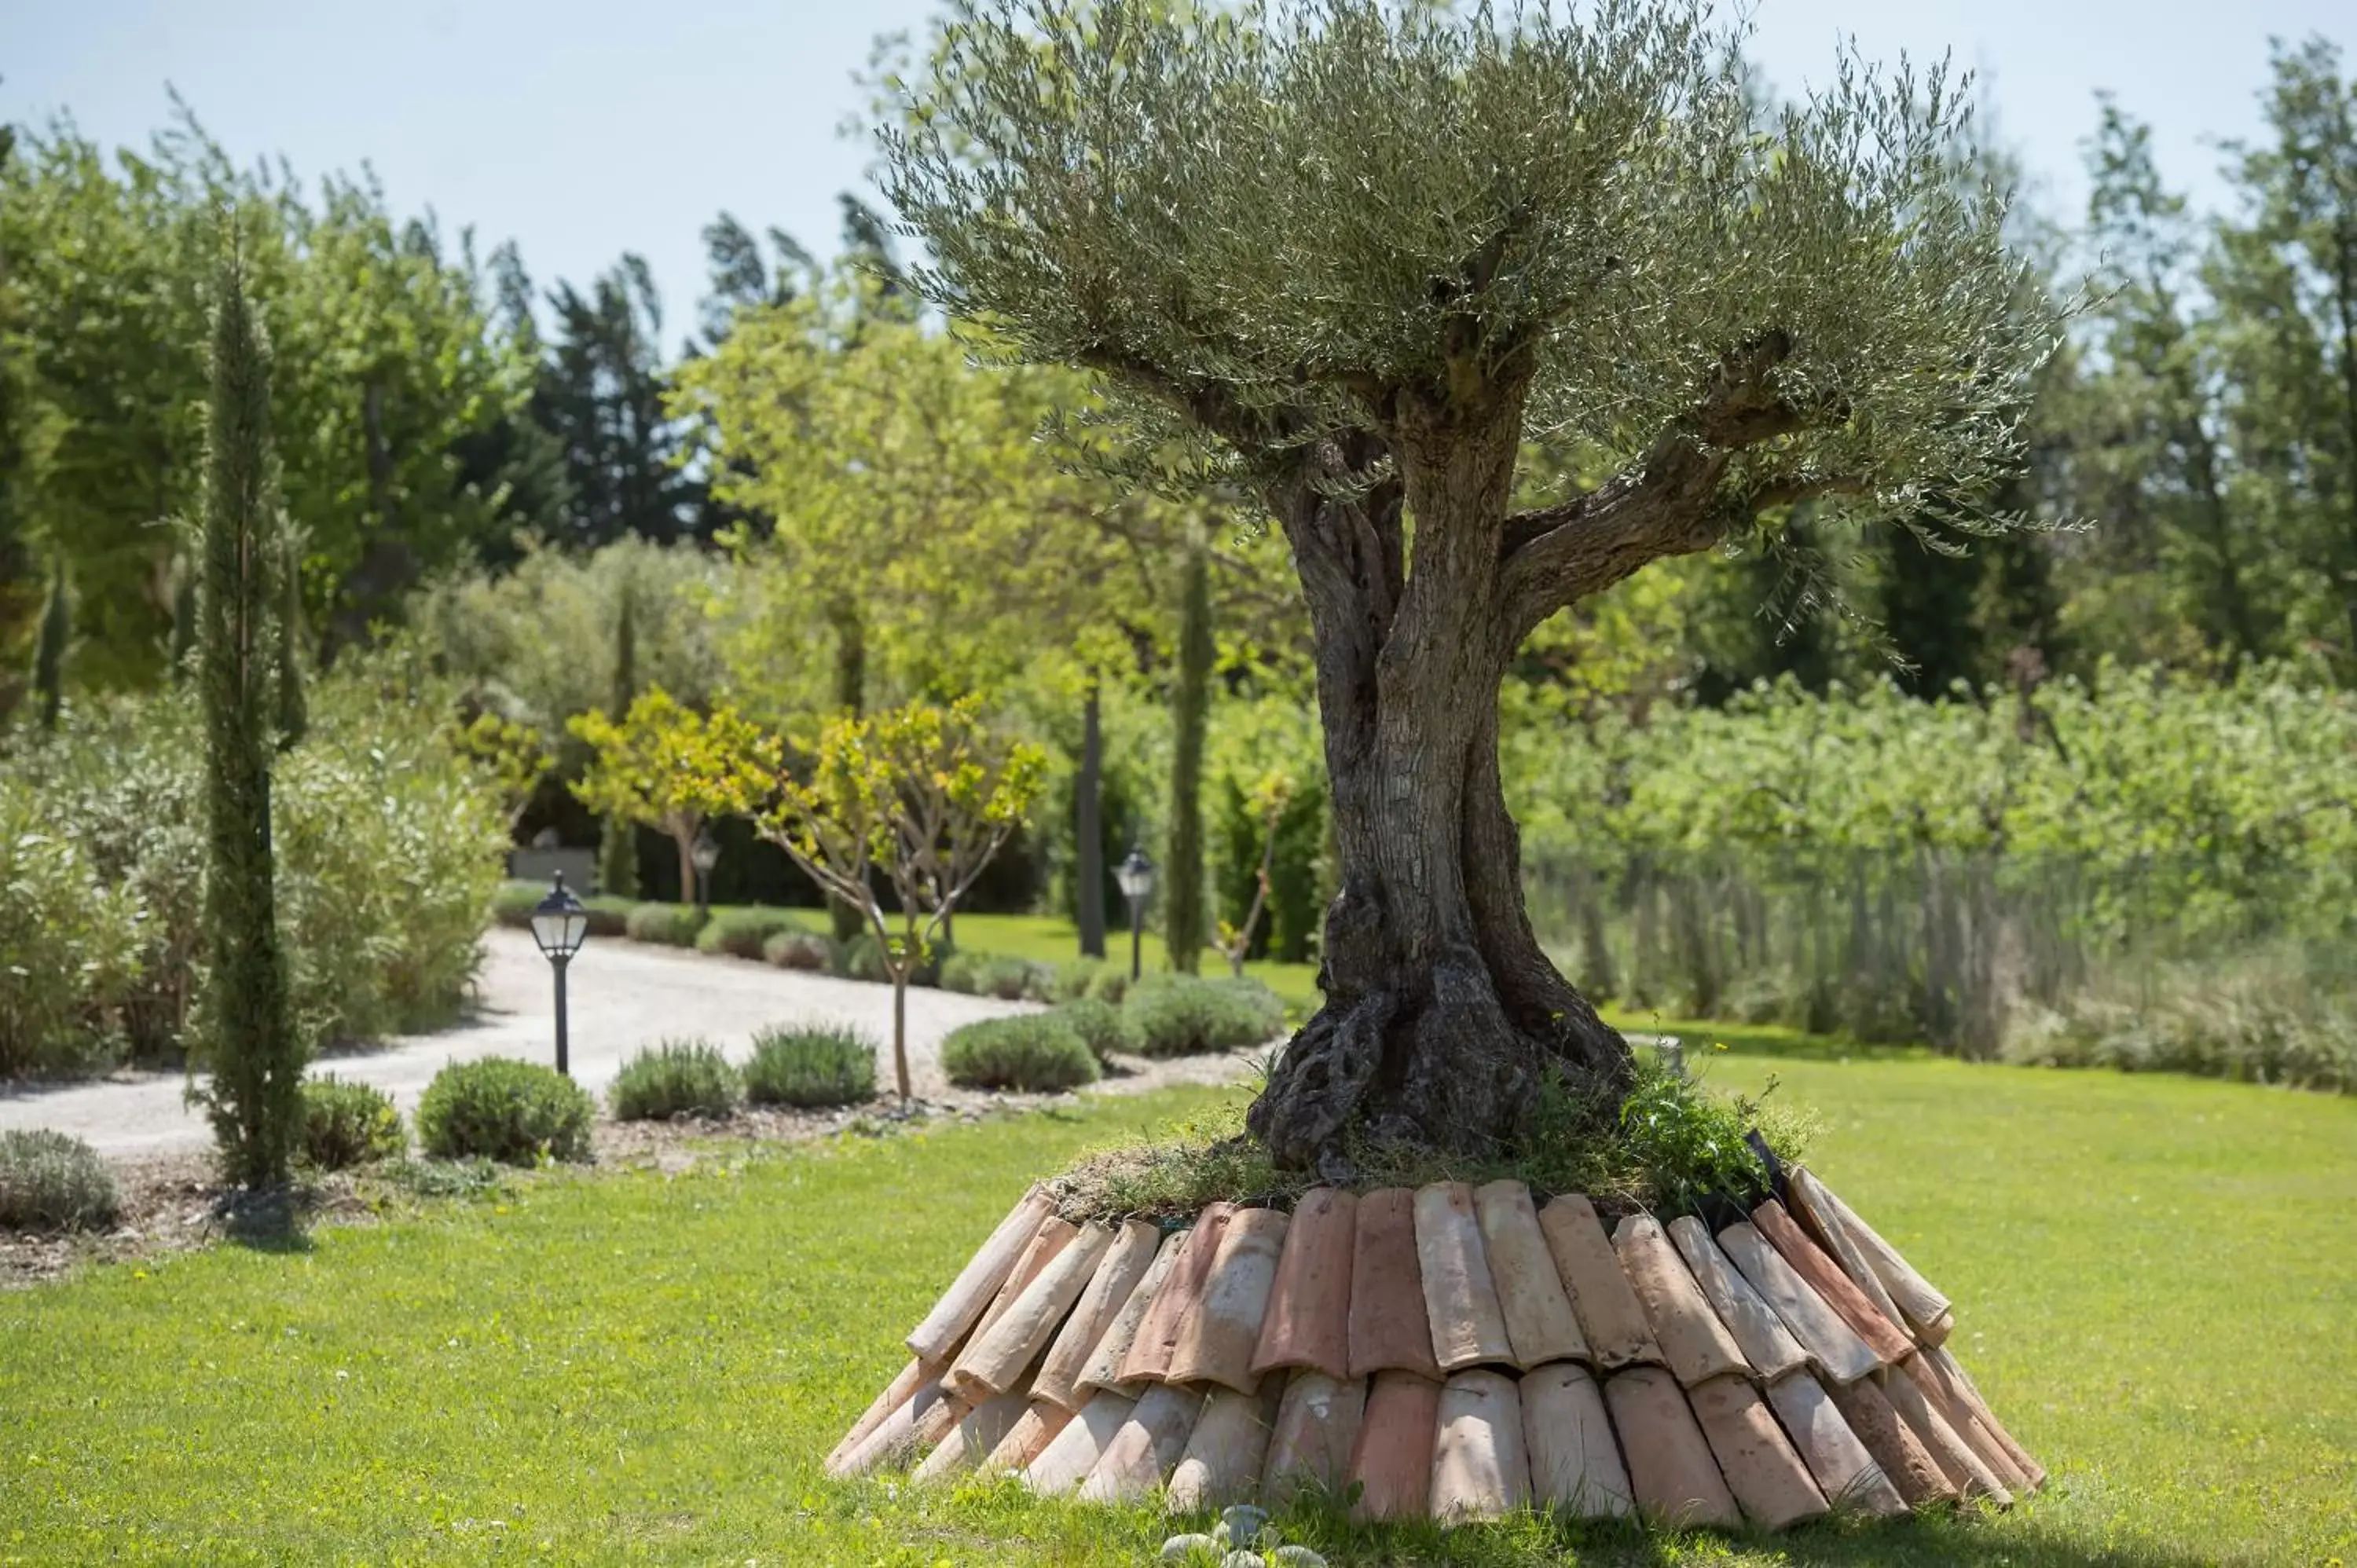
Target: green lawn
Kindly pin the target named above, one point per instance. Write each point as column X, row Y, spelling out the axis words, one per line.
column 2156, row 1279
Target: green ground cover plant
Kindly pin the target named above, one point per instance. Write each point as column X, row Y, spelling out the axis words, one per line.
column 811, row 1065
column 675, row 1078
column 1033, row 1053
column 347, row 1123
column 51, row 1182
column 537, row 1357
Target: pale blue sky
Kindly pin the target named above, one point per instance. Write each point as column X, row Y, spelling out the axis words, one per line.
column 587, row 127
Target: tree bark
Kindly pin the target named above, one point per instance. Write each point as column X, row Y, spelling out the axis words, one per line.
column 1442, row 1016
column 1089, row 828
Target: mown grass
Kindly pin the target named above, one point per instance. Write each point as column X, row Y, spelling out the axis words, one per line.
column 2155, row 1278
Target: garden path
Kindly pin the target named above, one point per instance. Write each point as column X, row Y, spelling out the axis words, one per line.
column 623, row 995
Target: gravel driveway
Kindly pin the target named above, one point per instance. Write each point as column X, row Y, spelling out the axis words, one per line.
column 623, row 995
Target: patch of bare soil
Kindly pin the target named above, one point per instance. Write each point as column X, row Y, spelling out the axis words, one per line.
column 175, row 1203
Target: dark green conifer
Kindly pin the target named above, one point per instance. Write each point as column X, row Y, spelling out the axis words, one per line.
column 618, row 850
column 1190, row 703
column 248, row 1036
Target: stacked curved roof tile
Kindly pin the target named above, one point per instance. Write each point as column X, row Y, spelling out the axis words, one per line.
column 1451, row 1351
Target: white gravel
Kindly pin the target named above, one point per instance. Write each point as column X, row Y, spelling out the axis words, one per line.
column 623, row 995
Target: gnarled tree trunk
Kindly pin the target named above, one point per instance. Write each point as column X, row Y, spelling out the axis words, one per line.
column 1442, row 1015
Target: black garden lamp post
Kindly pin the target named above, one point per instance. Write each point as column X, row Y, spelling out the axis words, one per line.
column 705, row 854
column 1135, row 876
column 559, row 924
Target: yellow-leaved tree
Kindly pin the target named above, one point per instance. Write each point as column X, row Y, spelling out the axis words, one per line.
column 924, row 794
column 667, row 766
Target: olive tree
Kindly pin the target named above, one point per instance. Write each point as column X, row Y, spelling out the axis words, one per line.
column 1364, row 257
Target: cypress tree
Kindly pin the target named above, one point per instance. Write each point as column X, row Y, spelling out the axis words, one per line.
column 256, row 1055
column 49, row 650
column 1190, row 704
column 294, row 711
column 618, row 850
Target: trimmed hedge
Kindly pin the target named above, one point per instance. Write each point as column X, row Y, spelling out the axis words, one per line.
column 743, row 931
column 806, row 951
column 347, row 1123
column 810, row 1065
column 49, row 1181
column 1070, row 980
column 1176, row 1015
column 675, row 1078
column 995, row 974
column 1100, row 1024
column 513, row 904
column 670, row 925
column 501, row 1109
column 1036, row 1053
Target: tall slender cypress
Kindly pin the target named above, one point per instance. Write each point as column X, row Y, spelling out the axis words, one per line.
column 49, row 650
column 256, row 1055
column 617, row 849
column 1183, row 908
column 294, row 710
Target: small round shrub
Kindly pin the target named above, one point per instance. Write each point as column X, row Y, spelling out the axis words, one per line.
column 1110, row 984
column 743, row 932
column 863, row 959
column 1100, row 1024
column 505, row 1110
column 1181, row 1015
column 800, row 950
column 1070, row 980
column 965, row 973
column 49, row 1181
column 347, row 1123
column 675, row 1078
column 1009, row 979
column 1037, row 1053
column 810, row 1065
column 673, row 925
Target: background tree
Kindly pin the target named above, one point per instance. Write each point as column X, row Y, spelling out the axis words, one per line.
column 1416, row 241
column 671, row 767
column 922, row 793
column 252, row 1047
column 1184, row 918
column 617, row 846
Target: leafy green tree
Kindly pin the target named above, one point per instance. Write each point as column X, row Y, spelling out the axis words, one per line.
column 2160, row 447
column 924, row 795
column 1392, row 244
column 256, row 1054
column 671, row 767
column 386, row 369
column 1184, row 917
column 2285, row 278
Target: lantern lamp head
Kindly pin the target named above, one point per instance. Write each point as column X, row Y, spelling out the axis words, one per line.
column 1136, row 874
column 704, row 851
column 559, row 923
